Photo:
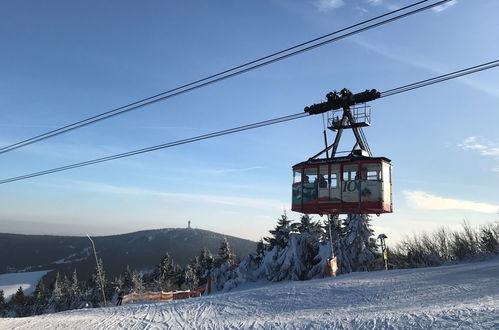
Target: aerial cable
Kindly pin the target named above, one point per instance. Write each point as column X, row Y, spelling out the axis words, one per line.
column 226, row 74
column 162, row 146
column 419, row 84
column 434, row 80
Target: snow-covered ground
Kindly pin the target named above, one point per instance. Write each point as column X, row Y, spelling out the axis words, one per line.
column 463, row 296
column 11, row 282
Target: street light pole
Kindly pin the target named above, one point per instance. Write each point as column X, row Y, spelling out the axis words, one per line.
column 382, row 238
column 98, row 271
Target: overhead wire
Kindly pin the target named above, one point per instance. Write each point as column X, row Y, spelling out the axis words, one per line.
column 444, row 77
column 162, row 146
column 200, row 83
column 390, row 92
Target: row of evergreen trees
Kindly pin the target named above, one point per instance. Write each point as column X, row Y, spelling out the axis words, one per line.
column 300, row 250
column 65, row 293
column 293, row 251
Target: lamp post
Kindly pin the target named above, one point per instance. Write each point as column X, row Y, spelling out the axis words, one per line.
column 382, row 238
column 98, row 272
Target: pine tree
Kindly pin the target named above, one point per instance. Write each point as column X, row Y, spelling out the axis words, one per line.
column 206, row 261
column 195, row 265
column 165, row 274
column 359, row 251
column 225, row 266
column 191, row 279
column 307, row 247
column 3, row 305
column 280, row 257
column 305, row 224
column 18, row 302
column 137, row 283
column 39, row 299
column 93, row 292
column 65, row 301
column 280, row 234
column 74, row 288
column 260, row 251
column 488, row 241
column 127, row 280
column 74, row 291
column 100, row 274
column 225, row 255
column 56, row 287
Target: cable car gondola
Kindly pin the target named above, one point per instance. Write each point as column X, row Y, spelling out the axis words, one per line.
column 354, row 184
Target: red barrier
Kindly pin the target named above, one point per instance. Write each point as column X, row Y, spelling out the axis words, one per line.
column 160, row 296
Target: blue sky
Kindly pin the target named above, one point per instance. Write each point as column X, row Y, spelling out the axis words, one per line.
column 64, row 61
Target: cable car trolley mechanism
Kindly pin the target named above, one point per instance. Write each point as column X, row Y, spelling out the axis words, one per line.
column 353, row 184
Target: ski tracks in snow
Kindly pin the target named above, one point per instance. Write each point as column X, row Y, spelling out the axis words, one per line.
column 464, row 296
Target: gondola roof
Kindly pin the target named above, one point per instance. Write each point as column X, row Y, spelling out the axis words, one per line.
column 345, row 159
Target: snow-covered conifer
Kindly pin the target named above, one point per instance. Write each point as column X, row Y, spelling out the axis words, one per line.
column 260, row 251
column 39, row 299
column 40, row 292
column 74, row 288
column 166, row 274
column 225, row 266
column 359, row 250
column 56, row 287
column 225, row 254
column 17, row 304
column 488, row 241
column 137, row 283
column 127, row 280
column 206, row 261
column 3, row 305
column 191, row 280
column 280, row 234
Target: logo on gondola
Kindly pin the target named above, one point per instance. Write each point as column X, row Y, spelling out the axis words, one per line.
column 351, row 186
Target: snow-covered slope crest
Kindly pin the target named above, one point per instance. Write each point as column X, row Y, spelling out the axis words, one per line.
column 464, row 296
column 11, row 282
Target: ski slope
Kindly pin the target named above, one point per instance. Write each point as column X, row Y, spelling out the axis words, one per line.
column 463, row 296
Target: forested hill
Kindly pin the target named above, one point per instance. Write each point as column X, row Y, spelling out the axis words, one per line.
column 139, row 250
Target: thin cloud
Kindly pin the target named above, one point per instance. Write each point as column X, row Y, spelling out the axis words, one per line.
column 383, row 3
column 484, row 149
column 253, row 203
column 235, row 170
column 425, row 201
column 328, row 5
column 361, row 10
column 419, row 61
column 445, row 6
column 375, row 2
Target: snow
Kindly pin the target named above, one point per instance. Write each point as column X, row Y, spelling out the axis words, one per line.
column 71, row 258
column 464, row 296
column 11, row 282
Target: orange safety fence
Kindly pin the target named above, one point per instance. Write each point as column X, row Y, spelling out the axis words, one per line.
column 161, row 295
column 331, row 267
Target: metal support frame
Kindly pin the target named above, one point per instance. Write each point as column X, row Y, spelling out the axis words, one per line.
column 344, row 100
column 360, row 138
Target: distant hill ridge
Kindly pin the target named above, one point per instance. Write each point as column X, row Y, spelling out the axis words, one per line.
column 140, row 250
